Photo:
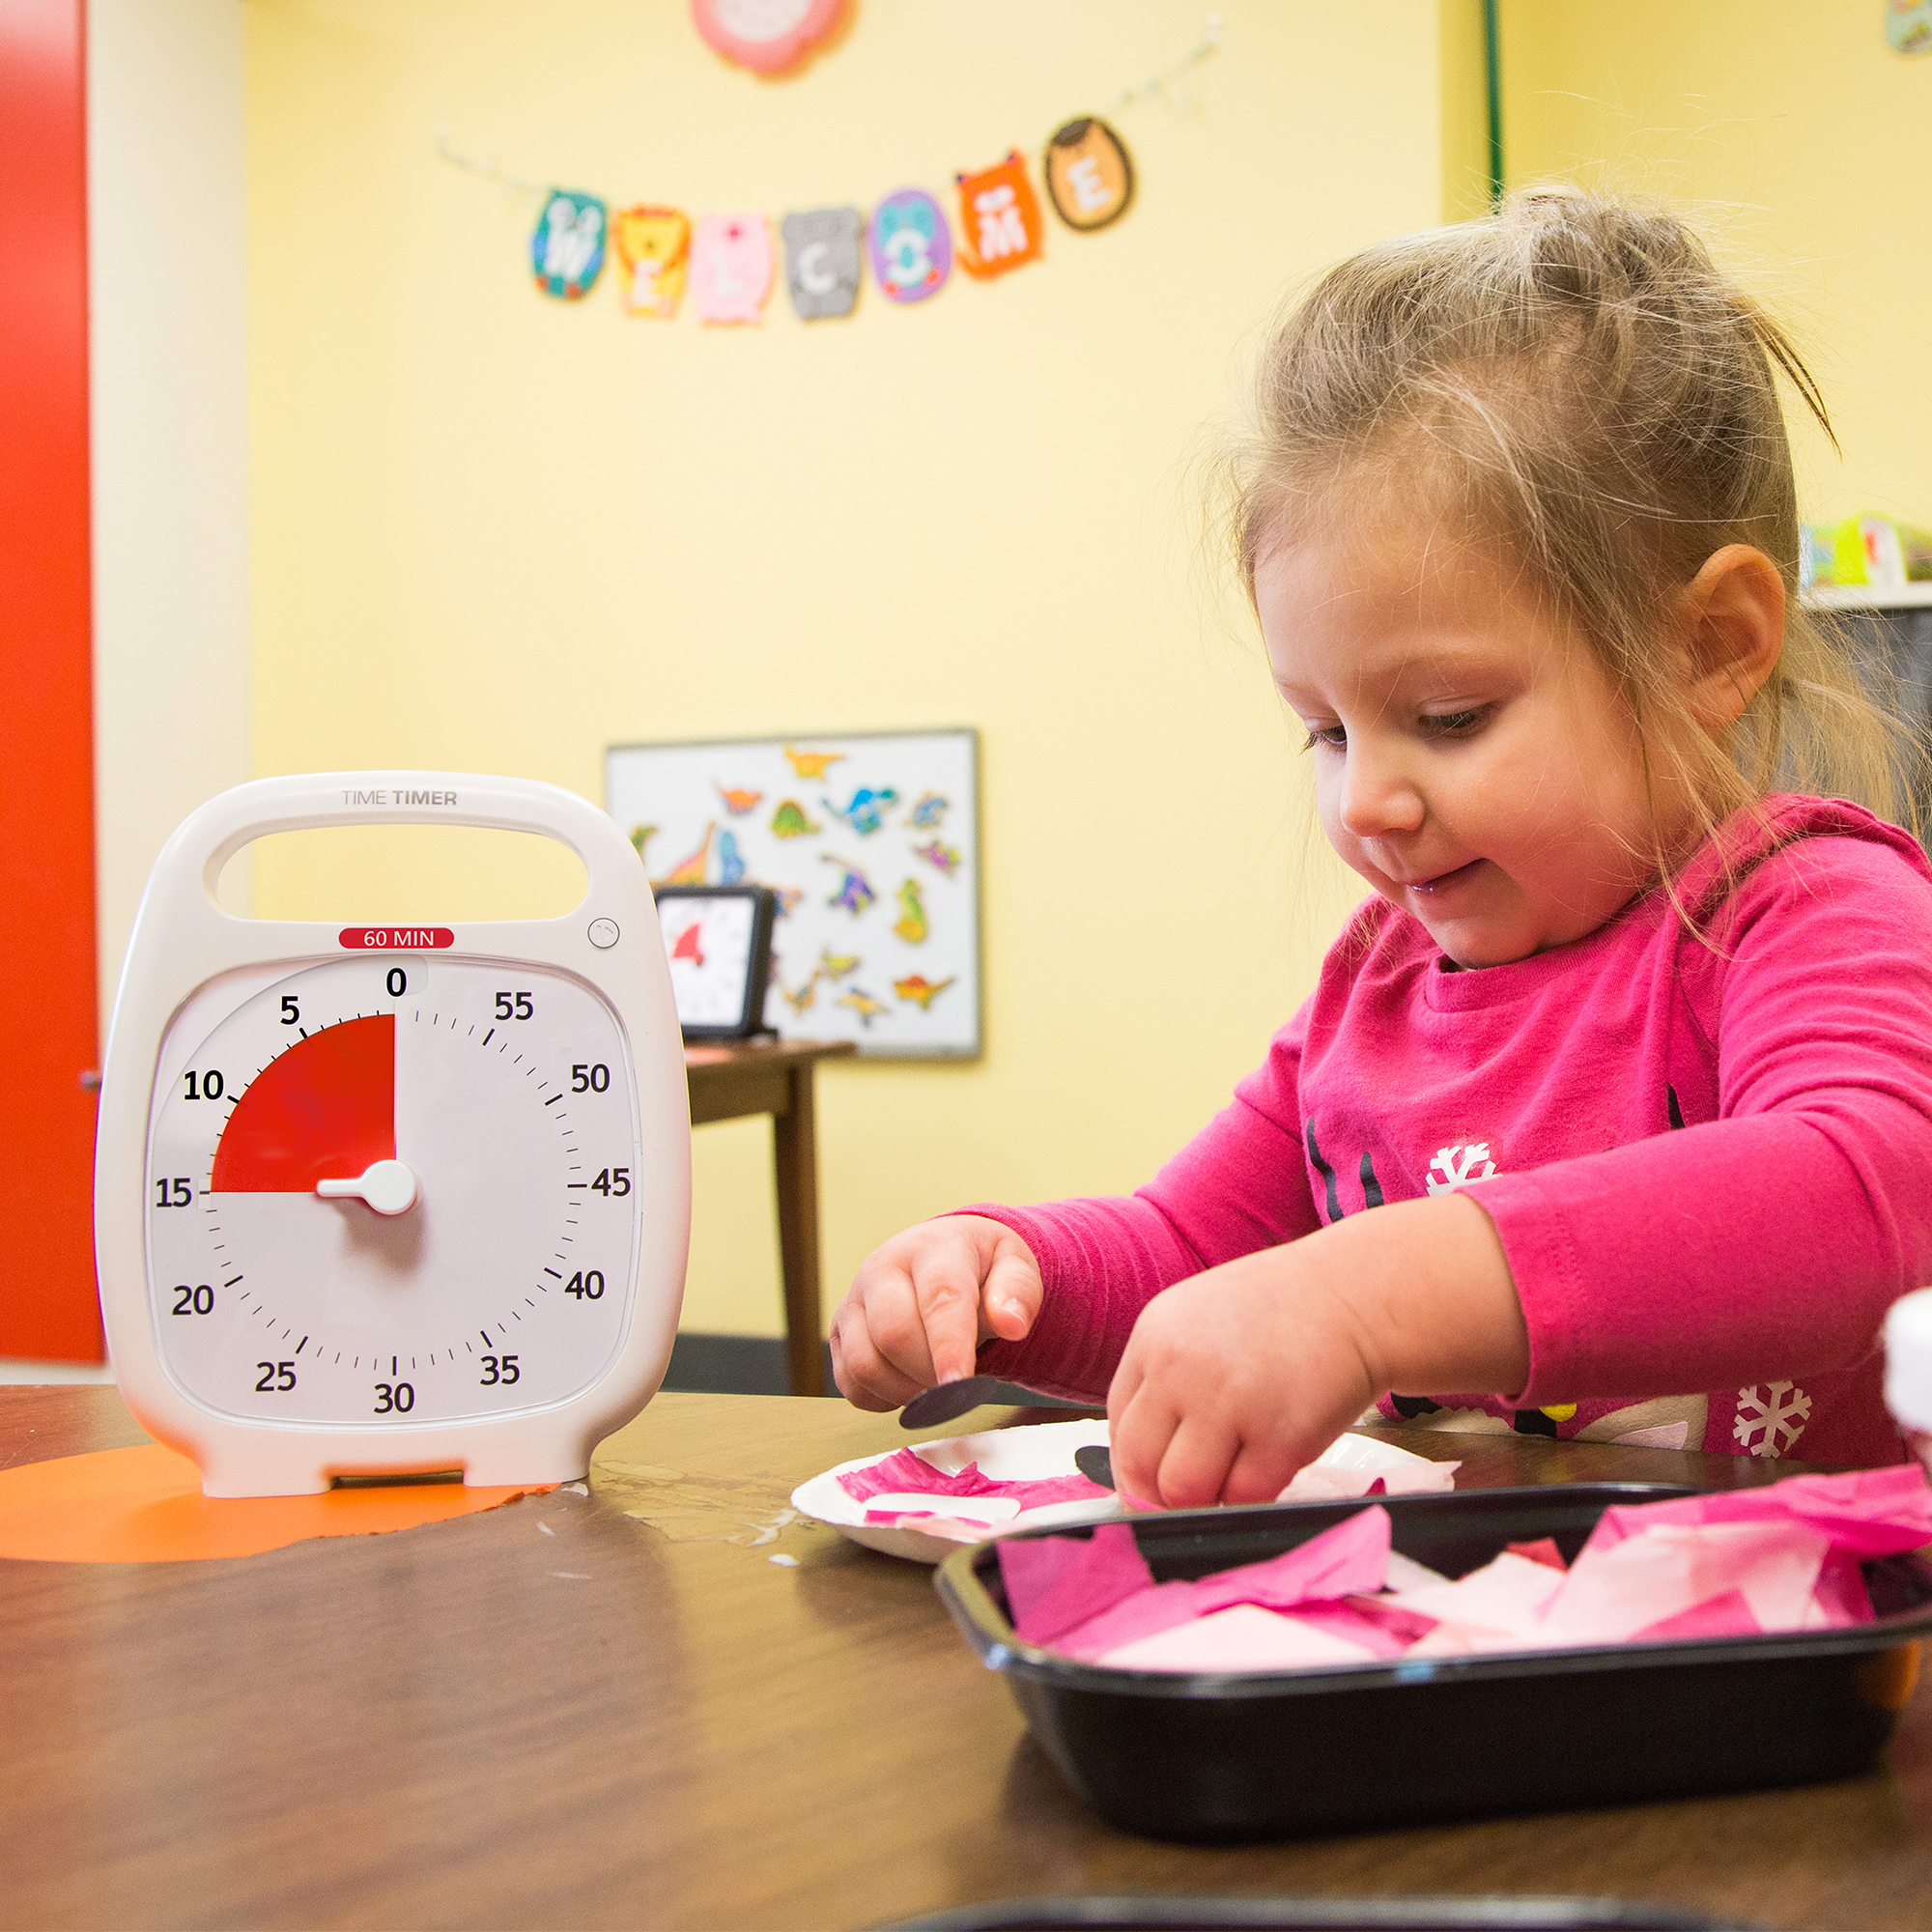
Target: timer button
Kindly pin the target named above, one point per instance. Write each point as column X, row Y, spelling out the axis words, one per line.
column 602, row 932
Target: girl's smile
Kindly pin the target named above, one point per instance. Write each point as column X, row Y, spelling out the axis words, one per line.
column 1474, row 763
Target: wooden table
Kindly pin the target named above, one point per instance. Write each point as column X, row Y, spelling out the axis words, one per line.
column 614, row 1710
column 775, row 1077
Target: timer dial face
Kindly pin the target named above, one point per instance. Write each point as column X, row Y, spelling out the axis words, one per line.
column 390, row 1189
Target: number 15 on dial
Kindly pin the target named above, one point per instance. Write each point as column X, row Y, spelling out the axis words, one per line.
column 410, row 1197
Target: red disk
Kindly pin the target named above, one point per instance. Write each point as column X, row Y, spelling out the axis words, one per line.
column 324, row 1111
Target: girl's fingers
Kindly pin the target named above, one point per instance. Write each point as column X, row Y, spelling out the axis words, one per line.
column 1259, row 1473
column 864, row 1378
column 1194, row 1466
column 851, row 1386
column 1139, row 1430
column 933, row 1333
column 1010, row 1299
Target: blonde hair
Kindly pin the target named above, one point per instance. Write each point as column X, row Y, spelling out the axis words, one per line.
column 1574, row 378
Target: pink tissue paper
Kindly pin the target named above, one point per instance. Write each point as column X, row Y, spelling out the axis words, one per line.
column 1784, row 1558
column 903, row 1471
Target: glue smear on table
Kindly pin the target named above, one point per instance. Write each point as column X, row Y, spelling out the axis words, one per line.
column 1786, row 1558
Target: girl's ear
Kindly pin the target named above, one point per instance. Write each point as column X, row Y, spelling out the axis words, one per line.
column 1733, row 612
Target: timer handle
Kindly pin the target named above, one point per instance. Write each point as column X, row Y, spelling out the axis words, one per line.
column 182, row 934
column 311, row 799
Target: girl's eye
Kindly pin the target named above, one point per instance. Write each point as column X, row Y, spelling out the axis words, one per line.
column 1332, row 735
column 1456, row 724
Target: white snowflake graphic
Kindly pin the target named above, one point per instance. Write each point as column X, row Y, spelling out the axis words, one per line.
column 1772, row 1419
column 1455, row 1166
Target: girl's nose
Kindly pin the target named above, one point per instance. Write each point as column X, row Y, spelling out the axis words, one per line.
column 1377, row 798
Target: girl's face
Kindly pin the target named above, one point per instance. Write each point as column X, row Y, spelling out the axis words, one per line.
column 1473, row 762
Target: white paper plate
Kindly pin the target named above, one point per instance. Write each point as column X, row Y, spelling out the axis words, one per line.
column 1027, row 1455
column 1007, row 1455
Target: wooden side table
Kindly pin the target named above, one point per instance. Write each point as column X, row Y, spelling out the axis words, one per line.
column 775, row 1077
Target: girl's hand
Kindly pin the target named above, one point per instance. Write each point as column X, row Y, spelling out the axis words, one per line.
column 1235, row 1379
column 1231, row 1381
column 921, row 1305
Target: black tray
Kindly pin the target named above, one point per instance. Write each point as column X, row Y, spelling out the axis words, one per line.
column 1234, row 1756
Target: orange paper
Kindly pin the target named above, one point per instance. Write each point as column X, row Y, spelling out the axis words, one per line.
column 1000, row 223
column 144, row 1505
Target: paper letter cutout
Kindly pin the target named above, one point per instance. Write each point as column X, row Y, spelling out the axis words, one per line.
column 731, row 268
column 822, row 260
column 1089, row 180
column 654, row 252
column 999, row 214
column 912, row 247
column 567, row 245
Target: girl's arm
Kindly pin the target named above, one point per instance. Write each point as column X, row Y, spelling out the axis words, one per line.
column 1761, row 1245
column 1765, row 1244
column 1048, row 1295
column 1235, row 1378
column 1240, row 1186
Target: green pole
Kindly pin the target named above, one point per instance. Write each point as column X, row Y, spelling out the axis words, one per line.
column 1492, row 76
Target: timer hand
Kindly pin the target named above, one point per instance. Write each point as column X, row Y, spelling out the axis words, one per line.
column 389, row 1186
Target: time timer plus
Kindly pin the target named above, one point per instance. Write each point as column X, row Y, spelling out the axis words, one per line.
column 391, row 1199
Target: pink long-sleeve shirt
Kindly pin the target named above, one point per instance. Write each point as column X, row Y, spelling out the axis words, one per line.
column 1709, row 1164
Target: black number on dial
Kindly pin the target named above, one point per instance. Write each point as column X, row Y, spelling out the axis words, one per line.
column 499, row 1369
column 174, row 1192
column 515, row 1005
column 586, row 1284
column 398, row 983
column 209, row 1089
column 395, row 1398
column 291, row 1012
column 277, row 1378
column 196, row 1300
column 591, row 1079
column 612, row 1181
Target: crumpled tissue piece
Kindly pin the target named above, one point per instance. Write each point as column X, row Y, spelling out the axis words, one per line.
column 1667, row 1569
column 1056, row 1582
column 904, row 1473
column 1784, row 1558
column 1244, row 1636
column 1326, row 1482
column 1866, row 1513
column 1087, row 1602
column 981, row 1512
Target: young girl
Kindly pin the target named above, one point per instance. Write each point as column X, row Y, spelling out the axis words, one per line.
column 1611, row 1114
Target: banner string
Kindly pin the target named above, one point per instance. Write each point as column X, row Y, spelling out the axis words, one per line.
column 1174, row 87
column 1183, row 71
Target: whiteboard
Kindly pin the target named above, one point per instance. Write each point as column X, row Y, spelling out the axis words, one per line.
column 871, row 841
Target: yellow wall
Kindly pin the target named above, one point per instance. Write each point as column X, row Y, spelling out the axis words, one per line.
column 169, row 429
column 499, row 533
column 1803, row 139
column 1464, row 91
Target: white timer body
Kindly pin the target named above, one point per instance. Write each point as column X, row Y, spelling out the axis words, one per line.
column 387, row 1200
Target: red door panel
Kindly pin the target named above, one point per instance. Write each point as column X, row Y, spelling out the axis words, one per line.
column 49, row 1307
